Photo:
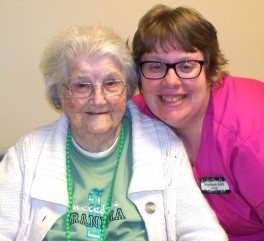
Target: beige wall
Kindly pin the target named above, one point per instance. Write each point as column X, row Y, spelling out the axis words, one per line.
column 27, row 25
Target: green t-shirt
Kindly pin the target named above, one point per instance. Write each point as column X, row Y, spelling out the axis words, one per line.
column 92, row 178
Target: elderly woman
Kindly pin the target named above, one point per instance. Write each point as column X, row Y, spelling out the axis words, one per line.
column 103, row 171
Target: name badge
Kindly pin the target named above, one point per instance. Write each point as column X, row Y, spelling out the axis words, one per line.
column 214, row 185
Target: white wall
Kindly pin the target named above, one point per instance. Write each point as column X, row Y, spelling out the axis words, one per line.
column 26, row 26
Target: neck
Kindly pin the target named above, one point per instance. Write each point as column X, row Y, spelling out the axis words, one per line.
column 96, row 142
column 191, row 138
column 191, row 133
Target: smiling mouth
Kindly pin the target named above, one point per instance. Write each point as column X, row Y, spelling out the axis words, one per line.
column 172, row 99
column 96, row 113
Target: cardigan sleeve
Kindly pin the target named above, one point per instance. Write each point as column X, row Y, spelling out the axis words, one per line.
column 11, row 188
column 190, row 216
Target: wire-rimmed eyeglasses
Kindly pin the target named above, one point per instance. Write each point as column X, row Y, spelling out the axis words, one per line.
column 108, row 88
column 187, row 69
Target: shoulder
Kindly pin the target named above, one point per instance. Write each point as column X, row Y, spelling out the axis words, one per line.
column 24, row 154
column 236, row 114
column 246, row 90
column 144, row 122
column 239, row 102
column 141, row 104
column 152, row 130
column 38, row 135
column 33, row 141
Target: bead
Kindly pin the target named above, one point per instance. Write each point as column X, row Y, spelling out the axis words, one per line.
column 69, row 186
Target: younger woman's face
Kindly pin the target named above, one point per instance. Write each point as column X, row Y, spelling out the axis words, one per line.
column 178, row 102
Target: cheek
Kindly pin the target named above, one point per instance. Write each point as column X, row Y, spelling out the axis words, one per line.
column 143, row 88
column 148, row 92
column 71, row 105
column 144, row 85
column 119, row 105
column 149, row 86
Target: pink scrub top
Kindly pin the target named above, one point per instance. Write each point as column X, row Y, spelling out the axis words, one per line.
column 230, row 164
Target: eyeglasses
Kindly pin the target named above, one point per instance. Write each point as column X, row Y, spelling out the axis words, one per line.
column 109, row 88
column 187, row 69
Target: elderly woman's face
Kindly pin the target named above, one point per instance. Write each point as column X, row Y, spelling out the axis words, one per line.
column 97, row 113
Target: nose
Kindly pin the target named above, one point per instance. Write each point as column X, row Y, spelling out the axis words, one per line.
column 97, row 96
column 171, row 79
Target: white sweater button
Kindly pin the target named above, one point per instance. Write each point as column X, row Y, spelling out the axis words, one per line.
column 150, row 207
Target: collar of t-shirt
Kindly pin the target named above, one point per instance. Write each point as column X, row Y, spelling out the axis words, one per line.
column 95, row 154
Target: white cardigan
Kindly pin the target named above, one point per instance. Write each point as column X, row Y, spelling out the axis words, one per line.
column 33, row 185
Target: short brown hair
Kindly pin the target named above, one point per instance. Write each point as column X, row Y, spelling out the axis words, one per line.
column 182, row 28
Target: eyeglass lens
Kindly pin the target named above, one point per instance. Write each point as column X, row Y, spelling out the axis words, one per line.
column 109, row 88
column 184, row 69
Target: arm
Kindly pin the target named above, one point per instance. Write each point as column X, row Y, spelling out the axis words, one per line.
column 191, row 218
column 248, row 170
column 11, row 179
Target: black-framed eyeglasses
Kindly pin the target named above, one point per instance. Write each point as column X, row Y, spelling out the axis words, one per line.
column 108, row 88
column 155, row 70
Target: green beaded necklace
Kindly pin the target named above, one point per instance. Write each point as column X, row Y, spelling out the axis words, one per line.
column 69, row 186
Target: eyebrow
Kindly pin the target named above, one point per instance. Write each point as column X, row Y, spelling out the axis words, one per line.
column 115, row 75
column 159, row 57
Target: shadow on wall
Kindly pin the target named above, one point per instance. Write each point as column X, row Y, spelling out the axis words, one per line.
column 1, row 155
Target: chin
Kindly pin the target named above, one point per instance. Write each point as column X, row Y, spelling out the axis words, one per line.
column 98, row 131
